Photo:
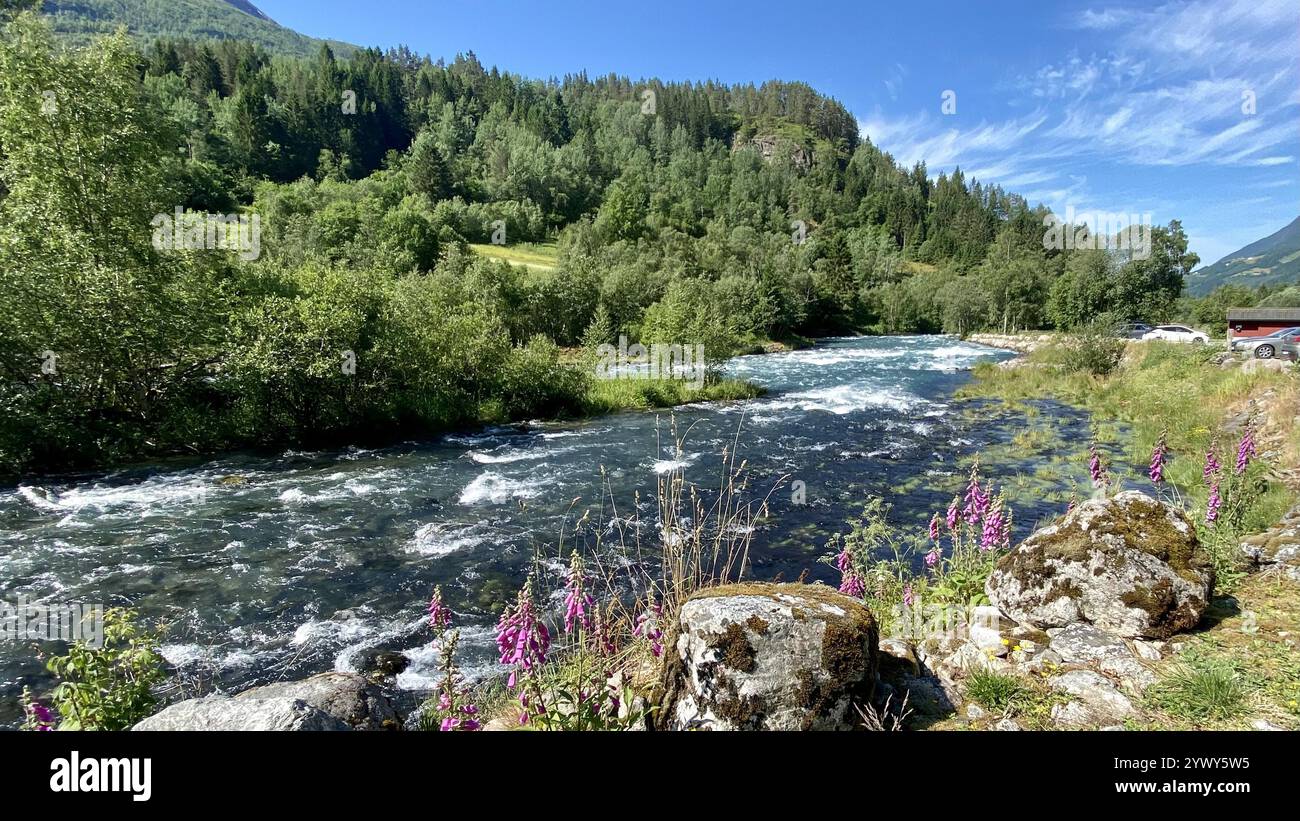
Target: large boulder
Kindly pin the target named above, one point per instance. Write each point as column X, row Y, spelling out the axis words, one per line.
column 218, row 712
column 328, row 701
column 1128, row 564
column 769, row 657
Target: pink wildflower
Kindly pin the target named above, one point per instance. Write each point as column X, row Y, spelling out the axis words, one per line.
column 850, row 582
column 953, row 514
column 1158, row 455
column 577, row 601
column 934, row 528
column 1245, row 450
column 1212, row 466
column 522, row 638
column 932, row 558
column 1096, row 469
column 997, row 527
column 648, row 624
column 909, row 597
column 1213, row 504
column 439, row 613
column 977, row 501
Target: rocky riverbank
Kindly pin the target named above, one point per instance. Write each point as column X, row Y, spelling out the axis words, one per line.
column 1088, row 617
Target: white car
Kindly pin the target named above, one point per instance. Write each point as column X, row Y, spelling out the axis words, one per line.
column 1176, row 333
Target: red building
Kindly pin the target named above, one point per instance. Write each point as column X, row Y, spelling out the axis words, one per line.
column 1261, row 321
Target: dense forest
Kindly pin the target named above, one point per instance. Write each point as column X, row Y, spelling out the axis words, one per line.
column 675, row 212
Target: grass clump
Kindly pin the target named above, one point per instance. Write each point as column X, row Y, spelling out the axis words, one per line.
column 1202, row 688
column 999, row 692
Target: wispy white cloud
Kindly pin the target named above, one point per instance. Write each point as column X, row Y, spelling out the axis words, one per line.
column 1173, row 89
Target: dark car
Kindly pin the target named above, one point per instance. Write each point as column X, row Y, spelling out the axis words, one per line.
column 1132, row 330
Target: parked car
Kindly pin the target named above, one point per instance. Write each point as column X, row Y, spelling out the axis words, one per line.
column 1289, row 349
column 1176, row 333
column 1265, row 347
column 1132, row 330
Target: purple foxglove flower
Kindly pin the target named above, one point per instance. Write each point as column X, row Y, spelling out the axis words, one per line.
column 439, row 613
column 577, row 602
column 977, row 501
column 1158, row 454
column 932, row 558
column 934, row 528
column 1212, row 467
column 909, row 598
column 1213, row 504
column 953, row 514
column 1096, row 470
column 522, row 638
column 1245, row 451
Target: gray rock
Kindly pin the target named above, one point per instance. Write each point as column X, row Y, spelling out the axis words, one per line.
column 1007, row 725
column 1132, row 674
column 346, row 696
column 218, row 713
column 927, row 696
column 975, row 712
column 1128, row 564
column 329, row 701
column 1266, row 726
column 1082, row 643
column 770, row 657
column 969, row 658
column 899, row 653
column 985, row 630
column 1096, row 701
column 1149, row 650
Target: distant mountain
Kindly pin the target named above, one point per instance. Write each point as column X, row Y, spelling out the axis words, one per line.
column 79, row 20
column 1273, row 259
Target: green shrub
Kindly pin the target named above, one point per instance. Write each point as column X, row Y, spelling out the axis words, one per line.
column 110, row 687
column 1093, row 350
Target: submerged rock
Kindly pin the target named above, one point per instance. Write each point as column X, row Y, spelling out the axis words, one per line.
column 328, row 701
column 769, row 657
column 1128, row 564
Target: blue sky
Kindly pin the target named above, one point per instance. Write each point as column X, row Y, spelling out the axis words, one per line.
column 1114, row 106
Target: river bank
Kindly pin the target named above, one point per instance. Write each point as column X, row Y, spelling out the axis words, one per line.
column 865, row 388
column 291, row 562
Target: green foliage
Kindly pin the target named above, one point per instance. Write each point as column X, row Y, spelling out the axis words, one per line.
column 1094, row 349
column 80, row 20
column 1202, row 688
column 110, row 687
column 370, row 175
column 998, row 692
column 576, row 696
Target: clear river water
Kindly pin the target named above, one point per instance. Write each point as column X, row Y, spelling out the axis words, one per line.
column 268, row 566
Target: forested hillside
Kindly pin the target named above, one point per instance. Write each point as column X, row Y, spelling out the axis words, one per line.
column 1273, row 260
column 684, row 213
column 80, row 20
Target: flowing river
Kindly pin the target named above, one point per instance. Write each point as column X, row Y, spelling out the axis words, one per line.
column 268, row 566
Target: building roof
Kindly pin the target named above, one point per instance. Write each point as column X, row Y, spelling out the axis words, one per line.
column 1264, row 315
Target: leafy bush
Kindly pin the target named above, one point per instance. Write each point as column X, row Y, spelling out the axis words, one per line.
column 1094, row 350
column 110, row 687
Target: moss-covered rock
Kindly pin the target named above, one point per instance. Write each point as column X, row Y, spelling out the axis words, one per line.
column 769, row 657
column 1128, row 564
